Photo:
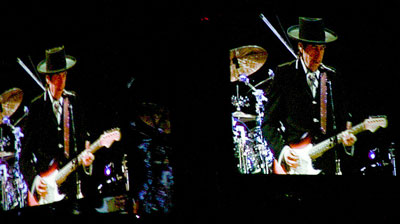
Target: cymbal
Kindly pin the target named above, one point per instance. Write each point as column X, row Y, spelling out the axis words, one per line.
column 9, row 102
column 246, row 60
column 156, row 117
column 243, row 116
column 6, row 155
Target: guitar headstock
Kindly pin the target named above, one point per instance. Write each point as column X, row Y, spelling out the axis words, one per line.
column 373, row 123
column 108, row 137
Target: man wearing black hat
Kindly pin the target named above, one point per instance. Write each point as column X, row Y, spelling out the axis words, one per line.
column 302, row 100
column 53, row 131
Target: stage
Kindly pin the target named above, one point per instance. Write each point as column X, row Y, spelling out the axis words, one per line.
column 176, row 56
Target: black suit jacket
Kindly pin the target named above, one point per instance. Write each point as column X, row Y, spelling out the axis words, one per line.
column 292, row 105
column 43, row 143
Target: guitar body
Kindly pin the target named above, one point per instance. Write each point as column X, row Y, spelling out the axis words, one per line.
column 55, row 177
column 53, row 194
column 305, row 163
column 305, row 166
column 52, row 190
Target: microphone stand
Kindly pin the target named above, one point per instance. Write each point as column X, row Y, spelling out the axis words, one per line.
column 337, row 160
column 78, row 182
column 392, row 158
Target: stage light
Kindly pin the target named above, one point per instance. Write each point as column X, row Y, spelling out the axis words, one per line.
column 108, row 169
column 372, row 154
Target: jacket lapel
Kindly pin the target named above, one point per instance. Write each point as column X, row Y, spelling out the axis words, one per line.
column 302, row 77
column 50, row 112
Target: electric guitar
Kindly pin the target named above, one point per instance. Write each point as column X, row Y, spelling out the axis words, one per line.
column 307, row 152
column 54, row 177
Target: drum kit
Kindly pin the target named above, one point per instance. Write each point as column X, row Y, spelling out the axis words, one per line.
column 250, row 147
column 13, row 187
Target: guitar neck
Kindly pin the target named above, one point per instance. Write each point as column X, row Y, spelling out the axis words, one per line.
column 64, row 172
column 320, row 148
column 95, row 146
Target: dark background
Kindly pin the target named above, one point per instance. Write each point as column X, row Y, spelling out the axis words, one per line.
column 175, row 54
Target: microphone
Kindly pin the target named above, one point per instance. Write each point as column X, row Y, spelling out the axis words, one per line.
column 69, row 93
column 328, row 68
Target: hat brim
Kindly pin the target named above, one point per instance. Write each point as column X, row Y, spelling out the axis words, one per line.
column 294, row 32
column 70, row 62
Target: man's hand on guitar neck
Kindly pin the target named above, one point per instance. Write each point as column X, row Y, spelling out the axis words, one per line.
column 348, row 138
column 87, row 157
column 291, row 158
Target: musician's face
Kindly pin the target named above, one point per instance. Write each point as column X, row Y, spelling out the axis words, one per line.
column 56, row 83
column 312, row 55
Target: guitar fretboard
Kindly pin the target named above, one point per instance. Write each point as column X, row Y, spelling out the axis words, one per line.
column 320, row 148
column 74, row 163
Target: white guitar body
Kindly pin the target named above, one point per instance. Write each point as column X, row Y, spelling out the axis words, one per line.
column 305, row 162
column 53, row 194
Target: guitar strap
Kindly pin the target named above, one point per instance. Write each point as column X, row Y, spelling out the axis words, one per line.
column 323, row 102
column 66, row 127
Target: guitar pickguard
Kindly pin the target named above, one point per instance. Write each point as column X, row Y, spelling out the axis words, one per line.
column 305, row 163
column 53, row 194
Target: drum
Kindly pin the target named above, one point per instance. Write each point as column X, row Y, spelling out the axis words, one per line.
column 13, row 187
column 253, row 156
column 250, row 146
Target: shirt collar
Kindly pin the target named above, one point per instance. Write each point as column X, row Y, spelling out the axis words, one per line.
column 306, row 71
column 60, row 101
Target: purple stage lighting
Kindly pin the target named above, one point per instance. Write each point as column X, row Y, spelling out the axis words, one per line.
column 372, row 154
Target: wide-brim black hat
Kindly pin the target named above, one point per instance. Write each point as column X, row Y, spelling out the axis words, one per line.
column 311, row 30
column 56, row 61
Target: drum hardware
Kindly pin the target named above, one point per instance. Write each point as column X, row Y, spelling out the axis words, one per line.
column 243, row 151
column 6, row 155
column 265, row 84
column 243, row 116
column 240, row 101
column 251, row 148
column 13, row 187
column 261, row 145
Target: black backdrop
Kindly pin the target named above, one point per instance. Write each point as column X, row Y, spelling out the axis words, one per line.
column 176, row 54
